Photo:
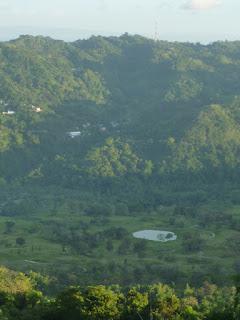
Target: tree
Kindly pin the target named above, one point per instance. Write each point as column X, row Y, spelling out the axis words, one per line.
column 124, row 246
column 109, row 245
column 9, row 226
column 140, row 248
column 93, row 303
column 163, row 302
column 136, row 304
column 192, row 241
column 20, row 241
column 148, row 168
column 114, row 158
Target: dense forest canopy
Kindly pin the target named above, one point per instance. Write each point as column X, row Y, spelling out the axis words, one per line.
column 155, row 301
column 170, row 102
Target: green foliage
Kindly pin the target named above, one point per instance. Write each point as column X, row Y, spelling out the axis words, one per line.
column 213, row 141
column 97, row 303
column 183, row 90
column 156, row 302
column 115, row 158
column 13, row 283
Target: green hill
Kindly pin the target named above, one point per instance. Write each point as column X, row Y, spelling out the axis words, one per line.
column 103, row 137
column 132, row 88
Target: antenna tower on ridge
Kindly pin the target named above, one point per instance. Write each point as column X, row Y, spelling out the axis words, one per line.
column 156, row 35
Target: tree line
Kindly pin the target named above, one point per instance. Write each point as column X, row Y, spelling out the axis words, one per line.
column 23, row 297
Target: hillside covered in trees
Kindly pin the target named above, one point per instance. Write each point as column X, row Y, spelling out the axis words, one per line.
column 140, row 108
column 104, row 137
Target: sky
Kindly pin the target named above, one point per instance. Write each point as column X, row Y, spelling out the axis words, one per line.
column 174, row 20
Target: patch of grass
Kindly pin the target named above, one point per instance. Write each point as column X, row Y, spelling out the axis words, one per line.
column 45, row 251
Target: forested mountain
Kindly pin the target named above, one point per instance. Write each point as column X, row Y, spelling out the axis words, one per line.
column 105, row 136
column 170, row 102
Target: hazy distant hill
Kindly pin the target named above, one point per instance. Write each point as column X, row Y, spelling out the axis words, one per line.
column 67, row 34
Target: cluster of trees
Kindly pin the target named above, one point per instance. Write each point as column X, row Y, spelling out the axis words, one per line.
column 21, row 297
column 113, row 159
column 211, row 143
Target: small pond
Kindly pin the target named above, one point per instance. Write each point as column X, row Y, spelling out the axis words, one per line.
column 155, row 235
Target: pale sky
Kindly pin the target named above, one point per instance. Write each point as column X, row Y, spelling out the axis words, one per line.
column 181, row 20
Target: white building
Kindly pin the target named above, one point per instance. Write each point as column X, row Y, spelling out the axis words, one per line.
column 9, row 112
column 36, row 109
column 114, row 124
column 74, row 134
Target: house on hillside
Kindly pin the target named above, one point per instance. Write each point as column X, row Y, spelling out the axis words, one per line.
column 74, row 134
column 9, row 112
column 86, row 125
column 36, row 109
column 114, row 124
column 102, row 128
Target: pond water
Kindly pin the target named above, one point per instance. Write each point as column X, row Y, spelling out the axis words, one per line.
column 155, row 235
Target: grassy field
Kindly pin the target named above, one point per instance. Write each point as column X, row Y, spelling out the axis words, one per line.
column 46, row 246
